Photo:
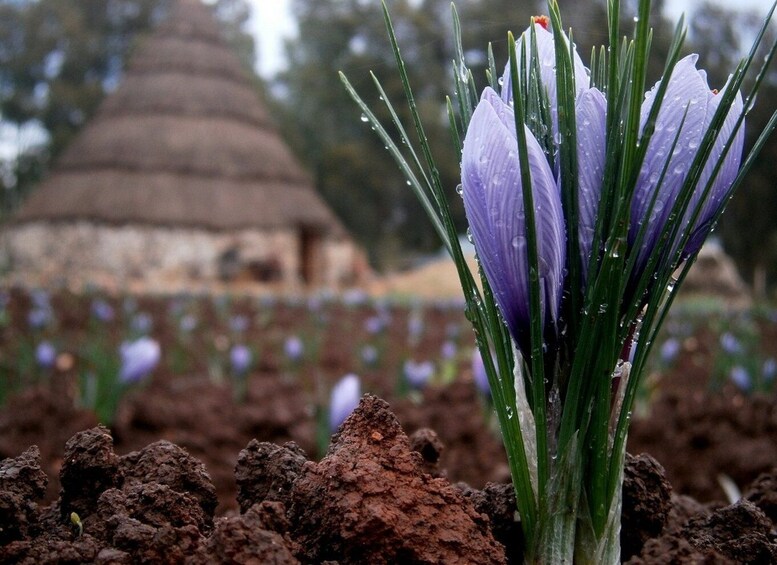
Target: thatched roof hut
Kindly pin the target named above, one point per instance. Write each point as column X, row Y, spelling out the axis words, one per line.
column 185, row 145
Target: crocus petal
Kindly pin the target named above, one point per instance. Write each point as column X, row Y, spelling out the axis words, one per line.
column 687, row 96
column 45, row 355
column 418, row 373
column 479, row 374
column 546, row 55
column 343, row 400
column 591, row 111
column 493, row 202
column 725, row 176
column 138, row 359
column 240, row 358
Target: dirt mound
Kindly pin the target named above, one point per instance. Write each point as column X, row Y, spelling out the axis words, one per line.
column 368, row 500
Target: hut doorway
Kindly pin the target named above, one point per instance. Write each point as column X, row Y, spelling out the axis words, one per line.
column 310, row 256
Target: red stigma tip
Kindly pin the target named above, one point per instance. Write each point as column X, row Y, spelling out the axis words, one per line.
column 714, row 91
column 544, row 21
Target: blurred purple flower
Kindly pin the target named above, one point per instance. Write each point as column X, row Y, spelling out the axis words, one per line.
column 138, row 359
column 769, row 369
column 38, row 318
column 374, row 325
column 448, row 350
column 240, row 358
column 479, row 374
column 731, row 344
column 493, row 202
column 688, row 101
column 187, row 323
column 40, row 298
column 415, row 326
column 741, row 378
column 142, row 323
column 293, row 348
column 669, row 350
column 238, row 323
column 45, row 355
column 369, row 355
column 354, row 297
column 418, row 374
column 344, row 398
column 102, row 311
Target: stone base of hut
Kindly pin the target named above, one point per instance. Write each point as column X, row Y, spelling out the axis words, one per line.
column 74, row 254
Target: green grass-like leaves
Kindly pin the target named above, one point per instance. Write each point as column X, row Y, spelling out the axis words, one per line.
column 566, row 460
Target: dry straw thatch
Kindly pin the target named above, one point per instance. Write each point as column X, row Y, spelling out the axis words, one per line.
column 183, row 141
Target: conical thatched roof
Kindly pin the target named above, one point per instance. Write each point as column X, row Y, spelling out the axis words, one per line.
column 183, row 141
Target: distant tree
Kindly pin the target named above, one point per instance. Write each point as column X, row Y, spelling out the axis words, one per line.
column 59, row 58
column 350, row 165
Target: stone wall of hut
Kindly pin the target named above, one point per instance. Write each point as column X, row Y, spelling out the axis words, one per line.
column 79, row 252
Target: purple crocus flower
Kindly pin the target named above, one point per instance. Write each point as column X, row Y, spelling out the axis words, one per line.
column 688, row 97
column 374, row 325
column 138, row 359
column 240, row 358
column 730, row 344
column 238, row 323
column 101, row 310
column 369, row 354
column 418, row 374
column 493, row 202
column 293, row 348
column 354, row 297
column 415, row 326
column 344, row 398
column 479, row 374
column 40, row 298
column 142, row 323
column 591, row 120
column 769, row 369
column 45, row 355
column 187, row 323
column 448, row 350
column 315, row 303
column 39, row 318
column 741, row 378
column 669, row 350
column 546, row 56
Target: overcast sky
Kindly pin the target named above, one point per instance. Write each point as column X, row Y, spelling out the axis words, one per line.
column 272, row 22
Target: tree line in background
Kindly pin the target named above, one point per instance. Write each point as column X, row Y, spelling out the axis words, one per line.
column 57, row 60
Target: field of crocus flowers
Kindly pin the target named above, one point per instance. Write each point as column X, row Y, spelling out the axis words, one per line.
column 201, row 394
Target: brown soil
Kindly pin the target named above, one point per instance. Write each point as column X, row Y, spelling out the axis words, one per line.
column 700, row 438
column 187, row 473
column 369, row 499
